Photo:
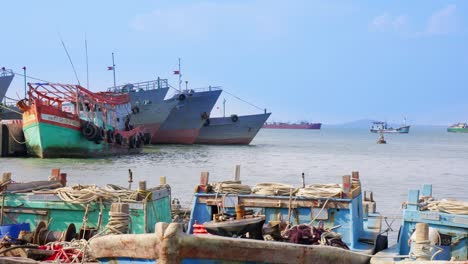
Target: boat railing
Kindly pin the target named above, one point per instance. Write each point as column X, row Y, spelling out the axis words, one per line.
column 6, row 72
column 140, row 86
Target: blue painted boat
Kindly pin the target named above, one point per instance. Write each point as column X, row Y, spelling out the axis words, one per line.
column 347, row 212
column 448, row 230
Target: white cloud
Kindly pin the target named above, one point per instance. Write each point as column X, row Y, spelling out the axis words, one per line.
column 389, row 23
column 202, row 19
column 443, row 21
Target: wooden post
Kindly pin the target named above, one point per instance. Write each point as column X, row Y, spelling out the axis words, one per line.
column 427, row 190
column 303, row 180
column 162, row 180
column 6, row 177
column 204, row 178
column 346, row 188
column 142, row 185
column 237, row 176
column 120, row 208
column 422, row 240
column 55, row 174
column 63, row 179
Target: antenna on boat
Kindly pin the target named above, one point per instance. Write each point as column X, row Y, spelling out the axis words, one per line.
column 224, row 107
column 180, row 77
column 69, row 58
column 87, row 68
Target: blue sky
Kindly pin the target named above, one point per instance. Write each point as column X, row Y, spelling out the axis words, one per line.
column 328, row 61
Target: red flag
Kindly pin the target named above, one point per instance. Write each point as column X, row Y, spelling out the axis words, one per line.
column 176, row 72
column 110, row 68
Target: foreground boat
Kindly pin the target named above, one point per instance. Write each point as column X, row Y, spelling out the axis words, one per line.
column 302, row 125
column 458, row 128
column 231, row 130
column 185, row 120
column 69, row 121
column 234, row 215
column 382, row 127
column 170, row 245
column 45, row 220
column 432, row 230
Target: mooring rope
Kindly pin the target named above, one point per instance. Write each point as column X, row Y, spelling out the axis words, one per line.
column 320, row 191
column 273, row 189
column 86, row 194
column 233, row 187
column 448, row 206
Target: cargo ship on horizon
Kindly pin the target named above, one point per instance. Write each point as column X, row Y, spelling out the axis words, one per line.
column 301, row 125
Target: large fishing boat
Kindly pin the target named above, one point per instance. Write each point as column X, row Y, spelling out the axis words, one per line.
column 61, row 120
column 187, row 117
column 231, row 130
column 458, row 128
column 382, row 127
column 6, row 76
column 148, row 107
column 301, row 125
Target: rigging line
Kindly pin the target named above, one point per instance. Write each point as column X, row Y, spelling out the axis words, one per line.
column 30, row 77
column 69, row 58
column 10, row 109
column 242, row 100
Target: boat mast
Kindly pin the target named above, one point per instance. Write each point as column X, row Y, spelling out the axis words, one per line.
column 113, row 69
column 87, row 68
column 25, row 85
column 180, row 78
column 224, row 107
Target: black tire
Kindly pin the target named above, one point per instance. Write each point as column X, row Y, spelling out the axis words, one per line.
column 147, row 138
column 234, row 118
column 207, row 123
column 118, row 139
column 110, row 136
column 138, row 141
column 181, row 97
column 132, row 142
column 205, row 116
column 89, row 130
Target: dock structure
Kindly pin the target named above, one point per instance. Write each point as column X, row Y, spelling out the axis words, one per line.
column 12, row 139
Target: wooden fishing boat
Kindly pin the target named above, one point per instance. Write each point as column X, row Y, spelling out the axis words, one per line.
column 224, row 227
column 85, row 206
column 61, row 120
column 433, row 231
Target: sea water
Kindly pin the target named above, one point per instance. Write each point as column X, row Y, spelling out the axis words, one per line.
column 425, row 155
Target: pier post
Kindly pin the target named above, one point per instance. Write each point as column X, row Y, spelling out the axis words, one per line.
column 421, row 248
column 346, row 188
column 162, row 180
column 237, row 175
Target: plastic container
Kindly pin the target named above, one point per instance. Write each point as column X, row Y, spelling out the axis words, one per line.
column 13, row 230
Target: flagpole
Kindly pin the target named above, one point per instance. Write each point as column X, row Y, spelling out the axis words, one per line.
column 113, row 69
column 180, row 78
column 87, row 68
column 224, row 107
column 25, row 85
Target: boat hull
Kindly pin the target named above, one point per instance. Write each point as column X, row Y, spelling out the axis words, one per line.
column 170, row 245
column 400, row 130
column 457, row 130
column 185, row 120
column 54, row 134
column 229, row 130
column 151, row 116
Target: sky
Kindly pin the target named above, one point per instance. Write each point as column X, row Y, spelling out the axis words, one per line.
column 321, row 61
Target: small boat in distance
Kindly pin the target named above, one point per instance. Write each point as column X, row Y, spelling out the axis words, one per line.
column 458, row 128
column 383, row 127
column 301, row 125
